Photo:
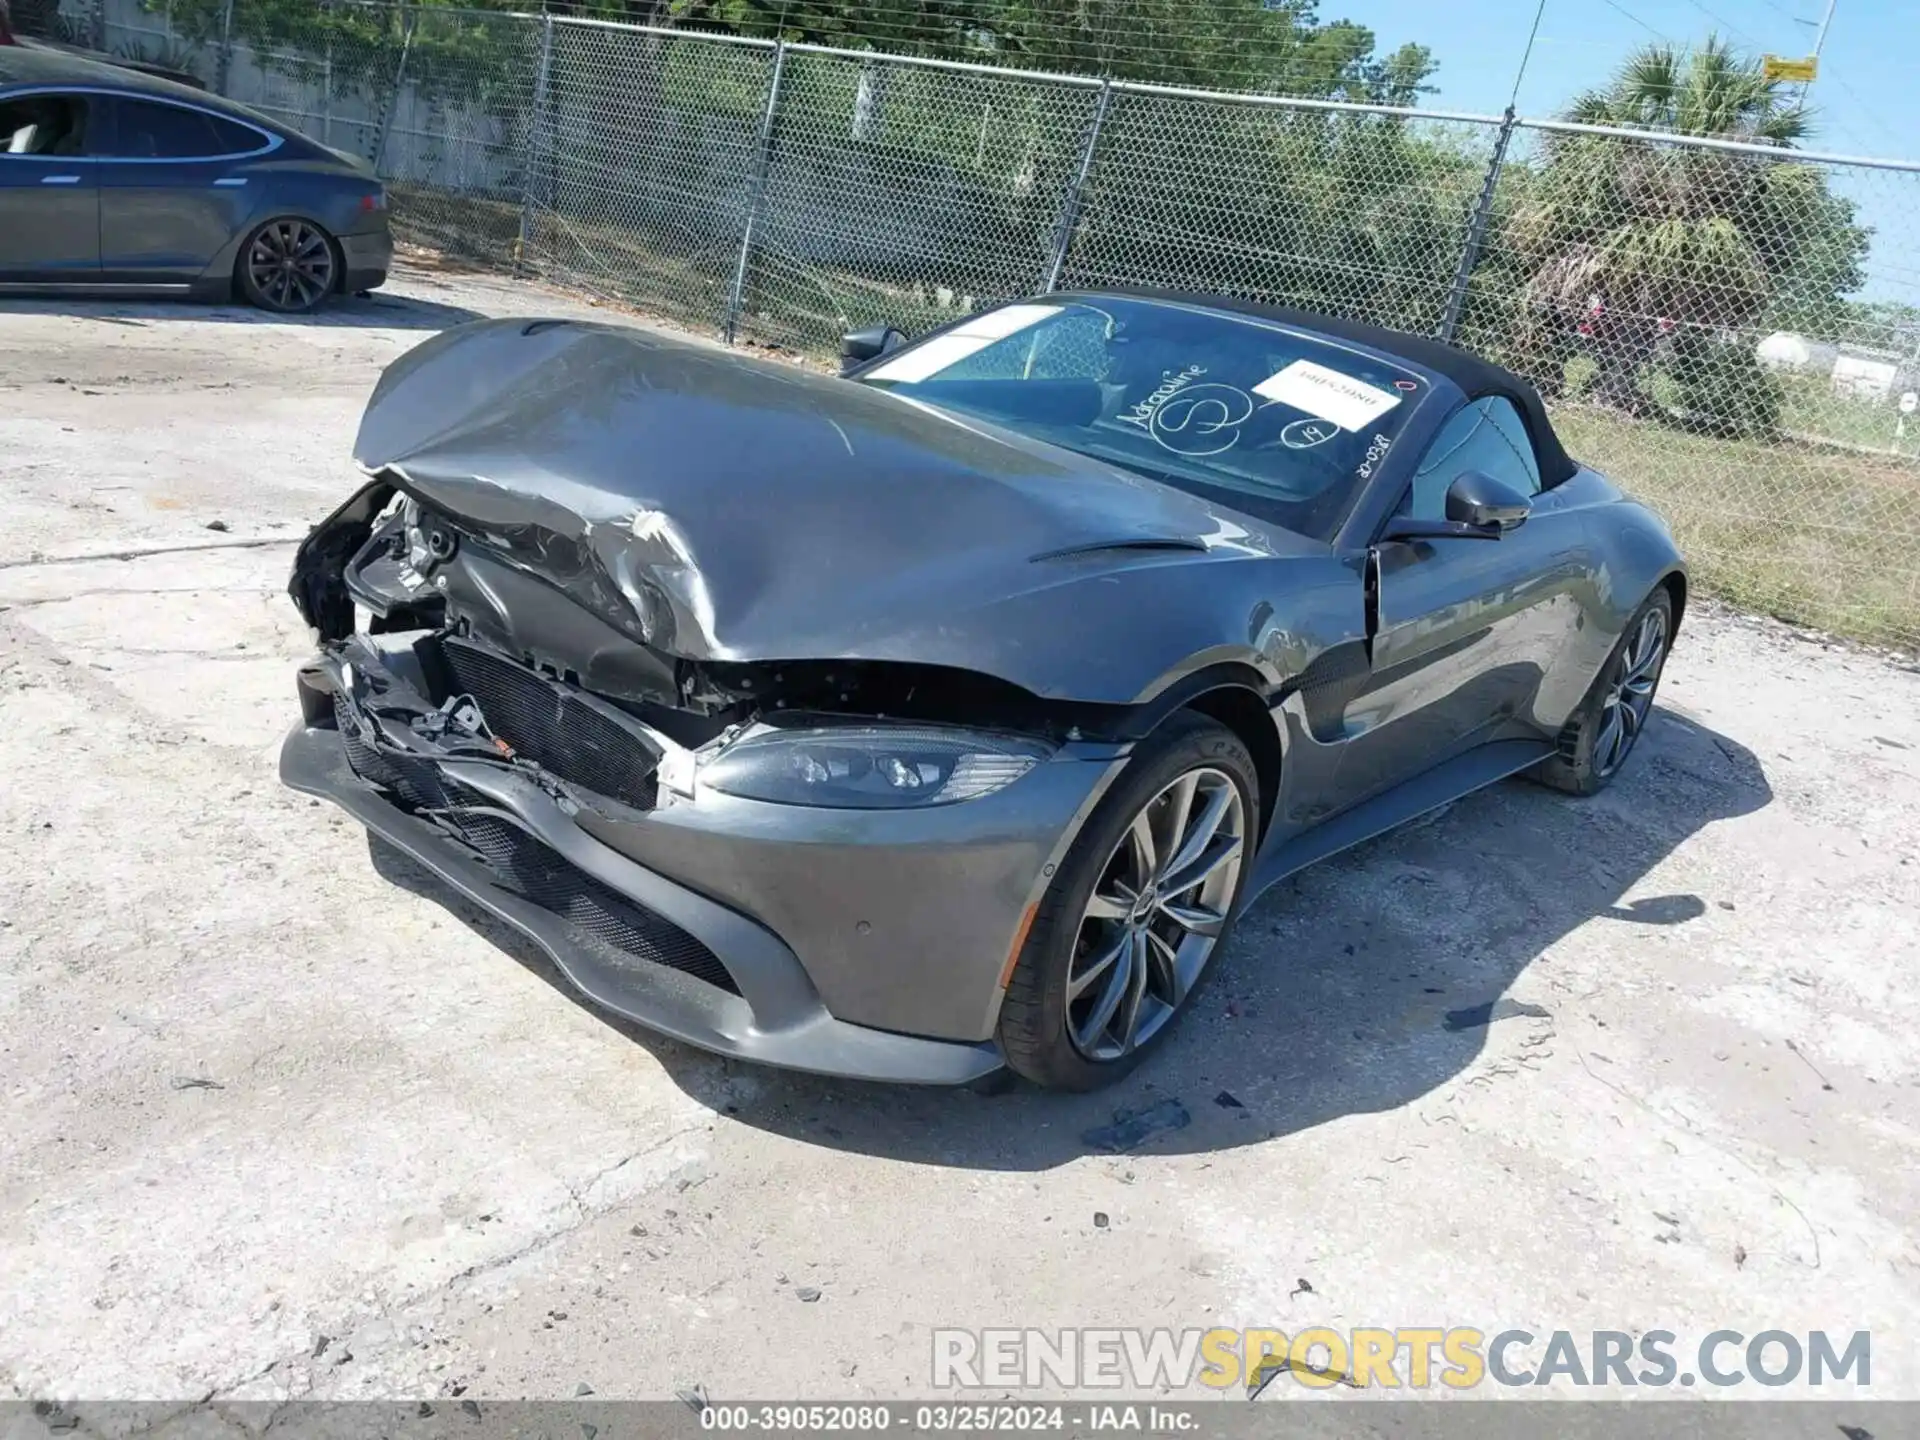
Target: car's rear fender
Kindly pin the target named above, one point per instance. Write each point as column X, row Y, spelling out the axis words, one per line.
column 298, row 190
column 1632, row 552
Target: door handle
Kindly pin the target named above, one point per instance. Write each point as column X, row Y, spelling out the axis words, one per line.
column 59, row 179
column 232, row 180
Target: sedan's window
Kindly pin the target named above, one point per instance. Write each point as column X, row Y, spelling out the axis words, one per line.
column 235, row 138
column 147, row 130
column 1487, row 435
column 1286, row 425
column 43, row 125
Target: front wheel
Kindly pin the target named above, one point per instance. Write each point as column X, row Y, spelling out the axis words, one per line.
column 1138, row 908
column 288, row 266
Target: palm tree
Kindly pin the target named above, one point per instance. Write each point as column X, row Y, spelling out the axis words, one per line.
column 1712, row 91
column 1623, row 241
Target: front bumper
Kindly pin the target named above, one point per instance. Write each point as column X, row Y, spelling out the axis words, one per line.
column 864, row 944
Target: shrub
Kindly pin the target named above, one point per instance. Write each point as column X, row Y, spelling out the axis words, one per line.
column 1717, row 384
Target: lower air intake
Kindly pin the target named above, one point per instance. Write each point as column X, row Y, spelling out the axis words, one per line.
column 537, row 873
column 557, row 730
column 417, row 781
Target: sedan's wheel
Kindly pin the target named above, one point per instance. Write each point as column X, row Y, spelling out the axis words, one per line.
column 1597, row 741
column 289, row 266
column 1143, row 900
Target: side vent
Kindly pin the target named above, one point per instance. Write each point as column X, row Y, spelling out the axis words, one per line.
column 1140, row 542
column 1373, row 598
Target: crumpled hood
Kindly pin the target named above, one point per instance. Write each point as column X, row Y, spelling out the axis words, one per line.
column 754, row 511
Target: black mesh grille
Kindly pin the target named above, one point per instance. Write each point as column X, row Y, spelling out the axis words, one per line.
column 553, row 728
column 416, row 781
column 530, row 869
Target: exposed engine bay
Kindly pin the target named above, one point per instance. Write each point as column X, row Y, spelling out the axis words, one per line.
column 505, row 624
column 405, row 703
column 513, row 733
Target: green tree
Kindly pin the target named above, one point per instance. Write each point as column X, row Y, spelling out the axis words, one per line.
column 1349, row 213
column 457, row 51
column 1274, row 48
column 1621, row 243
column 1217, row 44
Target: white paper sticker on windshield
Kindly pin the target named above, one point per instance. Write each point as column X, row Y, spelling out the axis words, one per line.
column 1349, row 403
column 928, row 360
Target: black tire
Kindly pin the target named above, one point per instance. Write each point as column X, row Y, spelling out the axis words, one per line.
column 288, row 265
column 1033, row 1030
column 1588, row 761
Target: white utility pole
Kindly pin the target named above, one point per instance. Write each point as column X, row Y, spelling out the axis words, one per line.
column 1819, row 39
column 1820, row 35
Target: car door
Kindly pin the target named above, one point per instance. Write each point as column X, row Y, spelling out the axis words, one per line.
column 174, row 188
column 49, row 204
column 1464, row 629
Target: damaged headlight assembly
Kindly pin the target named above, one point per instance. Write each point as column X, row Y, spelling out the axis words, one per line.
column 871, row 767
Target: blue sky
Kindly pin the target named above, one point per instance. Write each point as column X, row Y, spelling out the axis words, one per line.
column 1868, row 94
column 1867, row 99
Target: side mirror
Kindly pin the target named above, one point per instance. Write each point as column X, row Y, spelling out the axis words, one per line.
column 857, row 347
column 1479, row 507
column 1476, row 498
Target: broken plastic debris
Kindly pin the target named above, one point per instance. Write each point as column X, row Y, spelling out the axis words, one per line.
column 1130, row 1127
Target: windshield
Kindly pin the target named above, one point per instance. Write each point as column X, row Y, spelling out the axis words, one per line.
column 1282, row 425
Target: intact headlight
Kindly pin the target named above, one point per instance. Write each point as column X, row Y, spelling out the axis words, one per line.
column 871, row 767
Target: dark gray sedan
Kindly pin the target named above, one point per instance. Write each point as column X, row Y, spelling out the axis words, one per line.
column 115, row 180
column 945, row 715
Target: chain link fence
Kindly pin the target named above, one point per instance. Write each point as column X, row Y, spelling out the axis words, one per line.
column 1732, row 331
column 905, row 192
column 1682, row 306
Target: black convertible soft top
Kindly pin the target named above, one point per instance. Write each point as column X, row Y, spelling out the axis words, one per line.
column 1476, row 377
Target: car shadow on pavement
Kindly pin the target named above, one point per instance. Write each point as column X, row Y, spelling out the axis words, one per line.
column 375, row 311
column 1358, row 986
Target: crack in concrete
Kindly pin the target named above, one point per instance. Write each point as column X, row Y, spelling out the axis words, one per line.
column 105, row 591
column 256, row 542
column 208, row 656
column 302, row 1384
column 82, row 678
column 1692, row 1130
column 585, row 1212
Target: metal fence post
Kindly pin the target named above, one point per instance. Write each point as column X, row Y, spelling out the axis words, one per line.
column 326, row 75
column 223, row 58
column 537, row 138
column 756, row 192
column 1070, row 211
column 1476, row 232
column 399, row 86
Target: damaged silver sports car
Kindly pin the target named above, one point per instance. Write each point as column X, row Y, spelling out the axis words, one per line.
column 941, row 717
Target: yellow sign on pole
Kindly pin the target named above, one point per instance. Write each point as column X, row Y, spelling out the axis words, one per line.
column 1781, row 67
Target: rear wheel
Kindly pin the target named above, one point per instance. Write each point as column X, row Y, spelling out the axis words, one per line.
column 1137, row 910
column 1596, row 742
column 289, row 266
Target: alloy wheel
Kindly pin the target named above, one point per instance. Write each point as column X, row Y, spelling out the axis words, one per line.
column 1623, row 715
column 1156, row 914
column 291, row 265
